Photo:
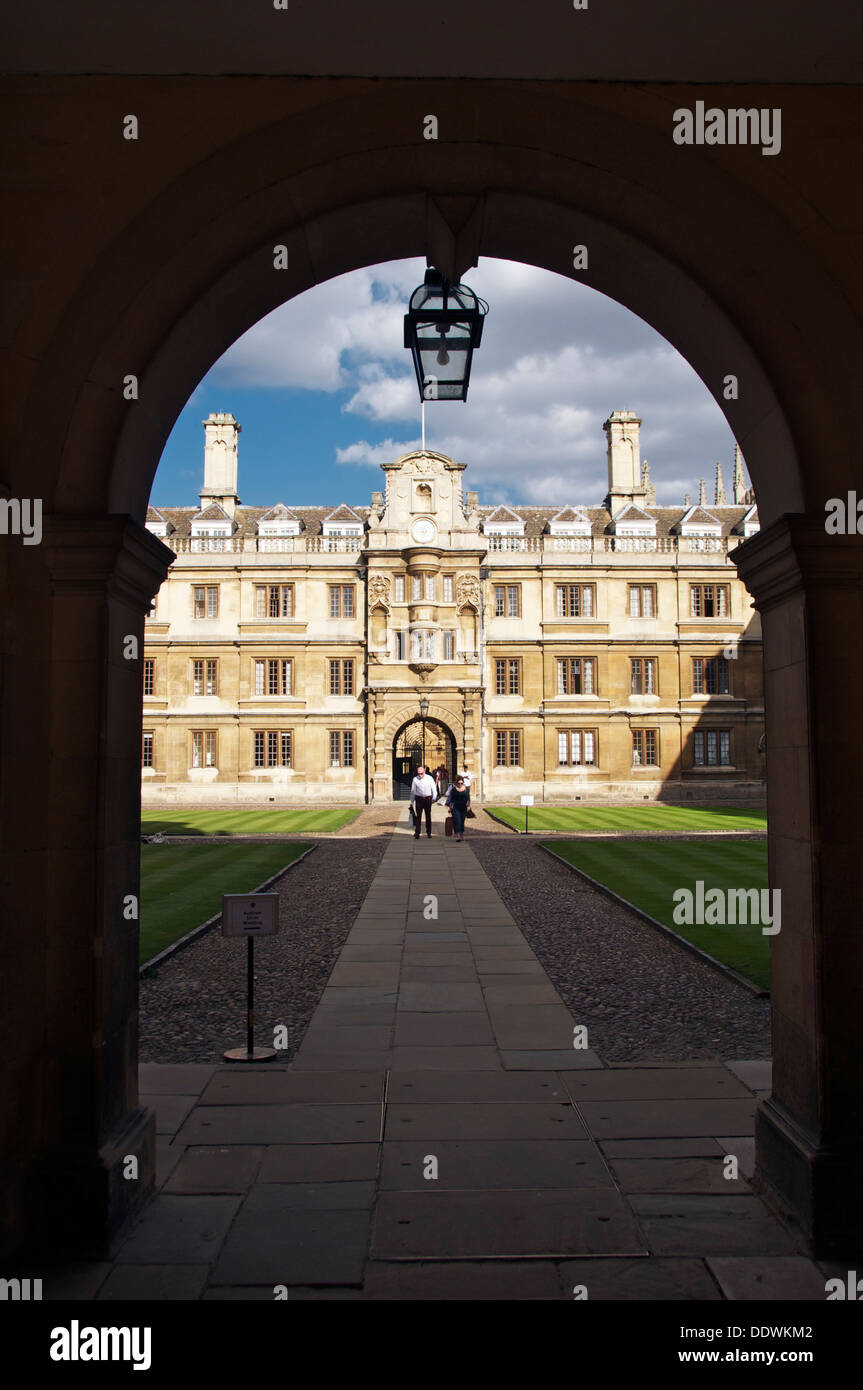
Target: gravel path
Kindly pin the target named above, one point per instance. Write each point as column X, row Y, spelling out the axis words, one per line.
column 640, row 995
column 193, row 1007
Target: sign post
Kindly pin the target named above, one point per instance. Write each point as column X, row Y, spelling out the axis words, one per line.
column 250, row 915
column 526, row 801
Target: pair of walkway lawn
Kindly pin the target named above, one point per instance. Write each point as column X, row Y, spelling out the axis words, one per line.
column 263, row 821
column 648, row 872
column 658, row 818
column 182, row 885
column 438, row 1136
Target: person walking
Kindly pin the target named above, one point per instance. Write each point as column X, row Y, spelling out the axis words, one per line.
column 422, row 796
column 458, row 800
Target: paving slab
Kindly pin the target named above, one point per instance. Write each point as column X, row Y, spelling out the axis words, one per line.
column 666, row 1083
column 468, row 1087
column 319, row 1163
column 694, row 1224
column 357, row 996
column 505, row 972
column 435, row 998
column 365, row 954
column 522, row 992
column 489, row 1280
column 378, row 974
column 624, row 1119
column 282, row 1086
column 698, row 1146
column 217, row 1169
column 433, row 1122
column 676, row 1175
column 173, row 1079
column 180, row 1230
column 168, row 1155
column 289, row 1245
column 547, row 1026
column 488, row 1165
column 310, row 1196
column 544, row 1059
column 170, row 1110
column 325, row 1036
column 743, row 1148
column 640, row 1280
column 445, row 1058
column 757, row 1074
column 283, row 1124
column 355, row 1015
column 435, row 938
column 439, row 974
column 130, row 1283
column 442, row 1030
column 775, row 1278
column 476, row 1225
column 312, row 1061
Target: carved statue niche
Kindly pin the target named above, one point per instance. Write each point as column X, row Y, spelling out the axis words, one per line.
column 467, row 591
column 379, row 591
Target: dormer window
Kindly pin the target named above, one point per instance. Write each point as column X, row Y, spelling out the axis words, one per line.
column 505, row 529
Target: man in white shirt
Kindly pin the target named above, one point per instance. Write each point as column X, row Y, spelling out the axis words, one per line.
column 422, row 796
column 466, row 776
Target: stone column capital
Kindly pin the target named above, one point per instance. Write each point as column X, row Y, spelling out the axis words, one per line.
column 794, row 553
column 110, row 555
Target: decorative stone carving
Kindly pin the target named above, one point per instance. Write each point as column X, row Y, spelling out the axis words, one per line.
column 467, row 591
column 379, row 591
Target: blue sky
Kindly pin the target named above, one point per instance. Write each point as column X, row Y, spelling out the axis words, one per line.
column 324, row 390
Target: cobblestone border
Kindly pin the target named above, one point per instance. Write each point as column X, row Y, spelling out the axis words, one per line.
column 193, row 935
column 660, row 926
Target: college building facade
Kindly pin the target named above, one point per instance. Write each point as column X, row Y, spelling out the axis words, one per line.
column 318, row 654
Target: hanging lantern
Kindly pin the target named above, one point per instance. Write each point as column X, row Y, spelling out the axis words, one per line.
column 443, row 325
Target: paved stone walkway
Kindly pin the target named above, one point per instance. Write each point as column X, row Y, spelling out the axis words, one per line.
column 439, row 1136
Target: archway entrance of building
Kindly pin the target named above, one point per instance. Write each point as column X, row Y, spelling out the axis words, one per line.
column 428, row 742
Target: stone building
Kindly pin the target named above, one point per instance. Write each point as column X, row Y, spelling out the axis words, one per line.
column 572, row 652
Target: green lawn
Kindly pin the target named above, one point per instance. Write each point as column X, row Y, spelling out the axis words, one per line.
column 182, row 885
column 647, row 872
column 657, row 817
column 275, row 822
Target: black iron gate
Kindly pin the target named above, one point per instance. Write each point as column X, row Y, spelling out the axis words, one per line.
column 408, row 753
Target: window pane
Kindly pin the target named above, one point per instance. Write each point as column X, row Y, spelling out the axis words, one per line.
column 514, row 683
column 287, row 677
column 347, row 678
column 211, row 748
column 335, row 760
column 272, row 748
column 348, row 601
column 514, row 757
column 416, row 586
column 695, row 601
column 287, row 600
column 448, row 647
column 259, row 750
column 500, row 747
column 499, row 600
column 512, row 601
column 429, row 594
column 588, row 677
column 587, row 601
column 447, row 588
column 147, row 751
column 589, row 747
column 575, row 740
column 711, row 747
column 722, row 684
column 212, row 603
column 400, row 588
column 197, row 750
column 697, row 676
column 634, row 603
column 561, row 601
column 272, row 677
column 286, row 750
column 647, row 601
column 635, row 676
column 698, row 748
column 212, row 677
column 561, row 748
column 725, row 746
column 721, row 602
column 650, row 677
column 500, row 677
column 650, row 746
column 334, row 678
column 561, row 677
column 349, row 748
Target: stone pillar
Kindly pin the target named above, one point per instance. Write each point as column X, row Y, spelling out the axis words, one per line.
column 382, row 778
column 808, row 587
column 70, row 822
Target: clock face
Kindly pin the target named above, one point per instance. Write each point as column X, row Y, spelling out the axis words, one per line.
column 423, row 531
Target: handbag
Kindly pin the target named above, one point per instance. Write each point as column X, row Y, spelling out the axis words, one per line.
column 448, row 825
column 469, row 815
column 412, row 820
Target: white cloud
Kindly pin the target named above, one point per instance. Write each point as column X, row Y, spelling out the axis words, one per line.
column 555, row 359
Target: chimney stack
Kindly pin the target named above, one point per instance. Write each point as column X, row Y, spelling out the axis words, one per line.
column 221, row 440
column 624, row 459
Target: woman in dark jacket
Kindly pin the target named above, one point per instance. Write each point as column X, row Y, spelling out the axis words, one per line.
column 458, row 800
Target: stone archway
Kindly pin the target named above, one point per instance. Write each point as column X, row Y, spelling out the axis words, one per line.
column 745, row 278
column 430, row 742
